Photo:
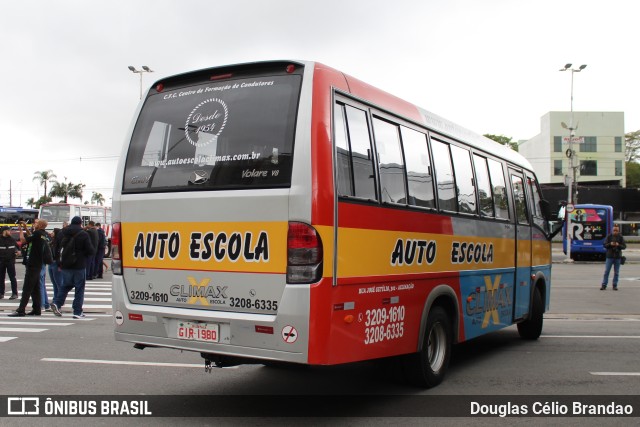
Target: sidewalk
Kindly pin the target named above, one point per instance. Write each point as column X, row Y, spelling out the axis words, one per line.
column 631, row 247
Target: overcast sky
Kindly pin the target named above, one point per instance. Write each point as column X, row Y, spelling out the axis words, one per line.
column 488, row 65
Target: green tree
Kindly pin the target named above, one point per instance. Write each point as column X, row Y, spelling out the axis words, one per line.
column 43, row 177
column 97, row 198
column 66, row 190
column 632, row 146
column 31, row 202
column 633, row 175
column 504, row 140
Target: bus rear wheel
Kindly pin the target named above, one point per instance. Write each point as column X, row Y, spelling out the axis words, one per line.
column 428, row 367
column 531, row 328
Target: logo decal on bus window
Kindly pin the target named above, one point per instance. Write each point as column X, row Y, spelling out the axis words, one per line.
column 199, row 177
column 206, row 122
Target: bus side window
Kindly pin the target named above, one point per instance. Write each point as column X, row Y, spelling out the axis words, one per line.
column 500, row 199
column 419, row 176
column 444, row 176
column 391, row 165
column 343, row 157
column 485, row 195
column 361, row 153
column 466, row 189
column 534, row 204
column 520, row 199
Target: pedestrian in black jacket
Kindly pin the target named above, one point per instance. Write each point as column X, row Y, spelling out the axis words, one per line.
column 8, row 250
column 91, row 260
column 73, row 275
column 615, row 244
column 35, row 261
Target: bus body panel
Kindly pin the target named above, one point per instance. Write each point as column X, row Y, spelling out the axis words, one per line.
column 383, row 266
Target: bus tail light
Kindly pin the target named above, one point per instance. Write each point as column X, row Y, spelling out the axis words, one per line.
column 116, row 248
column 304, row 254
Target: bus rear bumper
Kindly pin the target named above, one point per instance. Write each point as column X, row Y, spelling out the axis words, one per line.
column 252, row 337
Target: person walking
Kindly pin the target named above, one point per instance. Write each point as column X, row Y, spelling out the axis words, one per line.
column 8, row 250
column 102, row 243
column 91, row 259
column 34, row 263
column 55, row 273
column 77, row 242
column 44, row 296
column 615, row 244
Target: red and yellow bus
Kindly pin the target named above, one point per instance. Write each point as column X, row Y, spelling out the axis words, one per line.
column 285, row 211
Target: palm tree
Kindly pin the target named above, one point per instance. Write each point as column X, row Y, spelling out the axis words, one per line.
column 97, row 198
column 43, row 177
column 31, row 202
column 66, row 190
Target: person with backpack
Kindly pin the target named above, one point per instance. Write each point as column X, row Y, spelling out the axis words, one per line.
column 38, row 242
column 75, row 247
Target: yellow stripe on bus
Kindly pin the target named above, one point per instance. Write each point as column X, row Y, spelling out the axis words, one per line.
column 364, row 252
column 258, row 247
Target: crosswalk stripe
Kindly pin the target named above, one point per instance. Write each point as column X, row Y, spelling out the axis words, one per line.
column 22, row 330
column 17, row 322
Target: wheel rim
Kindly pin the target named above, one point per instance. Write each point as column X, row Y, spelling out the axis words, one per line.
column 436, row 346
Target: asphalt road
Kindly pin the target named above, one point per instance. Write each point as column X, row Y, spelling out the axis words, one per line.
column 590, row 346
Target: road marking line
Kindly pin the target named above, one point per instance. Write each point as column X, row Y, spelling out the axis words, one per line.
column 630, row 374
column 2, row 322
column 591, row 320
column 29, row 320
column 5, row 339
column 127, row 362
column 22, row 330
column 591, row 336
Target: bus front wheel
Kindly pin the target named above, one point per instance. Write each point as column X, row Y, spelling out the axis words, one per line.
column 428, row 367
column 531, row 328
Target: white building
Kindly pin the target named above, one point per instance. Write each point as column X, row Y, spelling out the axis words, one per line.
column 599, row 159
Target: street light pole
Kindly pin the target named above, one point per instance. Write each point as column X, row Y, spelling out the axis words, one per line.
column 571, row 176
column 144, row 69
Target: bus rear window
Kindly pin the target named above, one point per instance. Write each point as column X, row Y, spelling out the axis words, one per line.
column 215, row 135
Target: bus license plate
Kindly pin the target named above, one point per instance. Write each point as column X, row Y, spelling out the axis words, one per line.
column 208, row 332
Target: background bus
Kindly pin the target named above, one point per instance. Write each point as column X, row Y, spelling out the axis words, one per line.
column 285, row 211
column 591, row 224
column 59, row 213
column 10, row 215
